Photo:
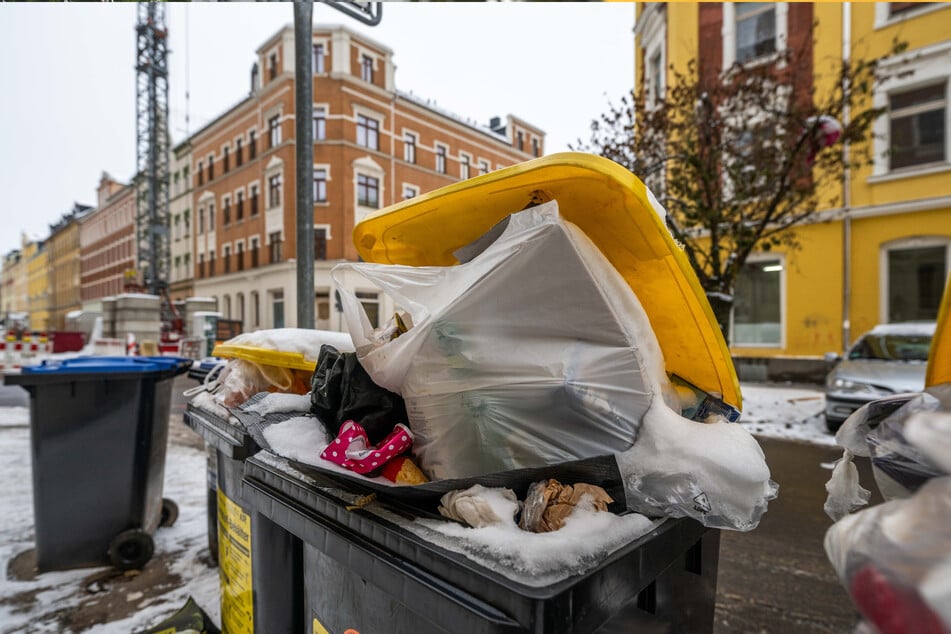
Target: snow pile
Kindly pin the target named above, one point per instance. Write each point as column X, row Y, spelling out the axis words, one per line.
column 787, row 412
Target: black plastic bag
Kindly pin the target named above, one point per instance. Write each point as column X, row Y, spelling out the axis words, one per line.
column 342, row 390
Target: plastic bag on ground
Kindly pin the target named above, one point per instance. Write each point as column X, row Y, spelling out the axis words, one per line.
column 533, row 353
column 895, row 560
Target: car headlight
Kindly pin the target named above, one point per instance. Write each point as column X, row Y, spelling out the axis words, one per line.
column 838, row 384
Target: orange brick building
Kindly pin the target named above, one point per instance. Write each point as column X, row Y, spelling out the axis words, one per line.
column 107, row 243
column 373, row 146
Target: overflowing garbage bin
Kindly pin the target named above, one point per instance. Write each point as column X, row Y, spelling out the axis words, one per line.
column 532, row 430
column 98, row 428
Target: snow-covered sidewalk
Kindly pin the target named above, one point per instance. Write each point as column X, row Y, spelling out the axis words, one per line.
column 103, row 601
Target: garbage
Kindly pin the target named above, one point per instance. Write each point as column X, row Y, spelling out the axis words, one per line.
column 352, row 450
column 518, row 358
column 190, row 619
column 550, row 503
column 341, row 390
column 479, row 506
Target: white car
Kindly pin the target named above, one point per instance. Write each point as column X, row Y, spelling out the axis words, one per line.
column 889, row 359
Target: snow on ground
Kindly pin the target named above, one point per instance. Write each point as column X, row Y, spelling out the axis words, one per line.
column 43, row 603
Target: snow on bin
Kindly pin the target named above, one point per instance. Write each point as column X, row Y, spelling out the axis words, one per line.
column 630, row 370
column 98, row 429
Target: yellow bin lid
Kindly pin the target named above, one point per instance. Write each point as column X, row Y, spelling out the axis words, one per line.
column 939, row 357
column 264, row 356
column 611, row 206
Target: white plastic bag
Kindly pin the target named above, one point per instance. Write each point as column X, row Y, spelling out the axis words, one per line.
column 533, row 353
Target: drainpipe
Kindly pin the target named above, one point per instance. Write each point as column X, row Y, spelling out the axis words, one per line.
column 846, row 194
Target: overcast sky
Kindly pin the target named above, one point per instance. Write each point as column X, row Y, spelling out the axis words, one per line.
column 67, row 111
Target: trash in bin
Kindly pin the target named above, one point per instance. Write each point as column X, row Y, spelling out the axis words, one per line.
column 98, row 428
column 190, row 619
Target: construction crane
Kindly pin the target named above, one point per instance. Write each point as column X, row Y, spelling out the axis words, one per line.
column 152, row 161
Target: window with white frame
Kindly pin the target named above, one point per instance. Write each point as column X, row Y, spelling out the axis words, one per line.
column 483, row 166
column 441, row 158
column 320, row 123
column 274, row 130
column 366, row 68
column 914, row 272
column 368, row 132
column 368, row 191
column 753, row 31
column 655, row 77
column 320, row 56
column 758, row 303
column 320, row 184
column 274, row 190
column 409, row 147
column 917, row 126
column 277, row 308
column 321, row 235
column 465, row 162
column 410, row 191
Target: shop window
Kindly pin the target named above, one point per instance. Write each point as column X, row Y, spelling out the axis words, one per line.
column 757, row 311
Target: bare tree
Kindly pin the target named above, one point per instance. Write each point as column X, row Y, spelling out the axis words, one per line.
column 742, row 157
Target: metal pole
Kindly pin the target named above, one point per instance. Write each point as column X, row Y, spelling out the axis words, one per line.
column 304, row 108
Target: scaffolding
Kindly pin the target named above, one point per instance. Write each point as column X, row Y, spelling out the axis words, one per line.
column 152, row 146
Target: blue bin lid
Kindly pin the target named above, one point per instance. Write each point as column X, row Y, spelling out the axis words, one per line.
column 104, row 365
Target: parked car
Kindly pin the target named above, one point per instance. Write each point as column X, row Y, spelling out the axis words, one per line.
column 201, row 367
column 889, row 359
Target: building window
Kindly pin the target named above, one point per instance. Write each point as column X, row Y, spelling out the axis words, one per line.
column 368, row 131
column 225, row 159
column 897, row 8
column 320, row 123
column 322, row 310
column 254, row 200
column 655, row 77
column 201, row 173
column 483, row 167
column 366, row 68
column 917, row 126
column 319, row 57
column 240, row 298
column 201, row 220
column 238, row 154
column 226, row 211
column 226, row 256
column 227, row 303
column 255, row 308
column 211, row 167
column 320, row 185
column 239, row 206
column 211, row 216
column 252, row 145
column 272, row 66
column 368, row 191
column 534, row 146
column 201, row 265
column 274, row 190
column 520, row 141
column 277, row 308
column 755, row 30
column 441, row 159
column 274, row 130
column 254, row 255
column 464, row 166
column 274, row 249
column 211, row 264
column 239, row 255
column 410, row 191
column 757, row 312
column 916, row 278
column 371, row 305
column 320, row 243
column 409, row 147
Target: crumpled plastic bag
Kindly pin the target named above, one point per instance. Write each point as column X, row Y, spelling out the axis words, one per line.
column 549, row 503
column 877, row 430
column 533, row 353
column 895, row 560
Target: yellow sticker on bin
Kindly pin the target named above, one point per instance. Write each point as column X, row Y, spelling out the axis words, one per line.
column 264, row 356
column 612, row 206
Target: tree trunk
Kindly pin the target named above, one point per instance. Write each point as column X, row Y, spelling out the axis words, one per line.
column 722, row 306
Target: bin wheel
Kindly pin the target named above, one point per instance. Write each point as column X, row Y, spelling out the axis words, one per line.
column 131, row 549
column 169, row 512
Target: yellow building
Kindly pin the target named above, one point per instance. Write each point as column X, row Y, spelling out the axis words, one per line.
column 38, row 283
column 884, row 256
column 64, row 256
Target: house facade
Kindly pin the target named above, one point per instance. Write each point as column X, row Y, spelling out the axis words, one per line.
column 373, row 146
column 884, row 255
column 107, row 244
column 64, row 267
